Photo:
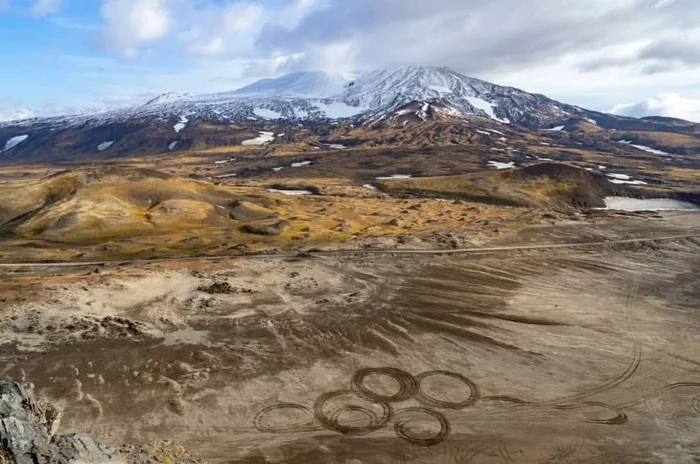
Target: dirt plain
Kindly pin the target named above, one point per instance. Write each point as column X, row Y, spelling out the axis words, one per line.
column 580, row 354
column 385, row 324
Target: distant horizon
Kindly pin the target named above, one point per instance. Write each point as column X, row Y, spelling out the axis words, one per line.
column 115, row 53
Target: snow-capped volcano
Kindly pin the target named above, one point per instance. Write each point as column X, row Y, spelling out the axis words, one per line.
column 318, row 96
column 389, row 88
column 396, row 95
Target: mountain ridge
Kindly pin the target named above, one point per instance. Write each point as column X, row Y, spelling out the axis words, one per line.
column 392, row 96
column 308, row 95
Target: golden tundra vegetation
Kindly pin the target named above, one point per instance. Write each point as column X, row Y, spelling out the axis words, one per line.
column 127, row 212
column 226, row 200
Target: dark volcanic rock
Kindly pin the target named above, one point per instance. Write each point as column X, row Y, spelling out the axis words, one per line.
column 218, row 288
column 27, row 436
column 27, row 426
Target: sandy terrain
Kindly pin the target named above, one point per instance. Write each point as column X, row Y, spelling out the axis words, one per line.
column 559, row 355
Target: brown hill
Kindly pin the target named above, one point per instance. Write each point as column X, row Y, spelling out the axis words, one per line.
column 551, row 185
column 97, row 205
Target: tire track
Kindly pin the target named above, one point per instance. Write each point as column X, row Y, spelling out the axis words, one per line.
column 404, row 417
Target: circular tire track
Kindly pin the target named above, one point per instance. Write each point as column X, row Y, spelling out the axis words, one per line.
column 261, row 426
column 408, row 385
column 431, row 401
column 695, row 405
column 331, row 419
column 618, row 419
column 401, row 426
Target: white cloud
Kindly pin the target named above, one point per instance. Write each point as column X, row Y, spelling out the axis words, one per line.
column 46, row 7
column 665, row 104
column 592, row 53
column 242, row 17
column 213, row 47
column 289, row 16
column 131, row 23
column 10, row 113
column 223, row 30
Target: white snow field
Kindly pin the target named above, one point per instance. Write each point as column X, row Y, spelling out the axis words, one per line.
column 262, row 139
column 649, row 204
column 500, row 165
column 14, row 141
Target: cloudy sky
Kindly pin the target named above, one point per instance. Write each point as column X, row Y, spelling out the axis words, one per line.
column 634, row 57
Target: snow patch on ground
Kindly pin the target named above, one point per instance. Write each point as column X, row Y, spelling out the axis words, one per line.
column 423, row 113
column 500, row 165
column 649, row 149
column 172, row 145
column 542, row 159
column 267, row 114
column 650, row 204
column 370, row 187
column 395, row 176
column 335, row 146
column 301, row 164
column 290, row 192
column 592, row 121
column 182, row 124
column 225, row 176
column 449, row 112
column 623, row 179
column 441, row 89
column 14, row 141
column 339, row 110
column 556, row 129
column 486, row 107
column 483, row 132
column 277, row 169
column 653, row 151
column 602, row 168
column 105, row 145
column 630, row 182
column 262, row 139
column 619, row 176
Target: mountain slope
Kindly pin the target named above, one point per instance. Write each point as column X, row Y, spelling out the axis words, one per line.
column 314, row 100
column 312, row 84
column 388, row 90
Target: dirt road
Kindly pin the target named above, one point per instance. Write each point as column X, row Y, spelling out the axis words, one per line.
column 353, row 251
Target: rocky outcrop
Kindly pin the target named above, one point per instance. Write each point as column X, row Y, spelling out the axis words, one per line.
column 27, row 433
column 267, row 227
column 28, row 427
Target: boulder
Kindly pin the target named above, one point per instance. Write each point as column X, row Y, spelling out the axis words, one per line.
column 268, row 227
